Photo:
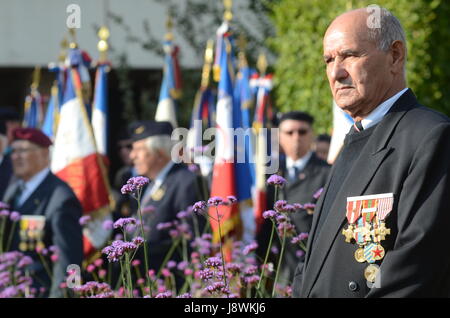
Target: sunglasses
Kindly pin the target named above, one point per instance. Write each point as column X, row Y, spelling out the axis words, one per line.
column 301, row 132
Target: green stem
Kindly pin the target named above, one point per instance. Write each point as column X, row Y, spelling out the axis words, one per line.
column 47, row 269
column 266, row 258
column 279, row 262
column 221, row 250
column 145, row 244
column 2, row 231
column 168, row 255
column 128, row 271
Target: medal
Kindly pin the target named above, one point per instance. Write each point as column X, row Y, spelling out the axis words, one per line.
column 158, row 194
column 366, row 215
column 370, row 273
column 359, row 255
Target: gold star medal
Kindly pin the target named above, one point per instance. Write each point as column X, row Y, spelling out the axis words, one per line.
column 353, row 212
column 359, row 255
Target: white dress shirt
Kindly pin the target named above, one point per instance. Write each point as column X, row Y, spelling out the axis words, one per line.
column 299, row 164
column 378, row 113
column 31, row 185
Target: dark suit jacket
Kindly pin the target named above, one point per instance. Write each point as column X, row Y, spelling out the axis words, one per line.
column 310, row 179
column 180, row 191
column 5, row 174
column 407, row 154
column 54, row 199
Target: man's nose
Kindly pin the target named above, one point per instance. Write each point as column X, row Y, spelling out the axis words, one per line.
column 338, row 71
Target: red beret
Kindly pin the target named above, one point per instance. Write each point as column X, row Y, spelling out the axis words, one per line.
column 33, row 135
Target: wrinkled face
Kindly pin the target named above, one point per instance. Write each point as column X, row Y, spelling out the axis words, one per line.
column 145, row 161
column 295, row 138
column 28, row 159
column 358, row 72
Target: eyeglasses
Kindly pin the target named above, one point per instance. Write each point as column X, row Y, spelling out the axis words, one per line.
column 20, row 151
column 301, row 132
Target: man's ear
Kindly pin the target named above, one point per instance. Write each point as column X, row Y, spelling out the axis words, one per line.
column 398, row 53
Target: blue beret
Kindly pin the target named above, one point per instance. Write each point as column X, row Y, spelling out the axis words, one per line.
column 147, row 128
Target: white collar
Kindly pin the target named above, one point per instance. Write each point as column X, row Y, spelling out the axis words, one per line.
column 378, row 113
column 299, row 163
column 31, row 185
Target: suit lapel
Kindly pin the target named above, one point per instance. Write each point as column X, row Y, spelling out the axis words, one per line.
column 365, row 167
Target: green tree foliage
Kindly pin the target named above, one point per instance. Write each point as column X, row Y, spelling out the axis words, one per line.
column 300, row 77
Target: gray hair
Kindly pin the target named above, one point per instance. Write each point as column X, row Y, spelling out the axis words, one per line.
column 159, row 143
column 388, row 31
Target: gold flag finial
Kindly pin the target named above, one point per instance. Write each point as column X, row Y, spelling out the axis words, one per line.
column 209, row 58
column 228, row 15
column 63, row 53
column 36, row 77
column 242, row 44
column 102, row 45
column 261, row 64
column 73, row 44
column 169, row 27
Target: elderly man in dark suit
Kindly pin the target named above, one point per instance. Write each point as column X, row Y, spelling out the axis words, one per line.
column 380, row 227
column 38, row 192
column 173, row 188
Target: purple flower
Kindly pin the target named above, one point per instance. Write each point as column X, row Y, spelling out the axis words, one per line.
column 286, row 228
column 215, row 201
column 134, row 184
column 281, row 218
column 148, row 209
column 199, row 206
column 182, row 265
column 138, row 240
column 300, row 237
column 299, row 253
column 185, row 295
column 309, row 206
column 217, row 287
column 136, row 262
column 164, row 226
column 250, row 248
column 251, row 280
column 232, row 199
column 85, row 219
column 234, row 268
column 3, row 205
column 25, row 261
column 183, row 214
column 193, row 167
column 108, row 225
column 279, row 205
column 14, row 216
column 90, row 268
column 206, row 274
column 171, row 264
column 121, row 223
column 269, row 214
column 213, row 262
column 317, row 194
column 4, row 213
column 251, row 270
column 117, row 249
column 167, row 294
column 276, row 180
column 298, row 206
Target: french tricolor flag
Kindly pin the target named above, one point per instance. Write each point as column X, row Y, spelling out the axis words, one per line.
column 75, row 160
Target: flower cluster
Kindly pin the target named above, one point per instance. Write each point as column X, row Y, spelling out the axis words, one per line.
column 276, row 180
column 14, row 280
column 94, row 289
column 134, row 184
column 117, row 250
